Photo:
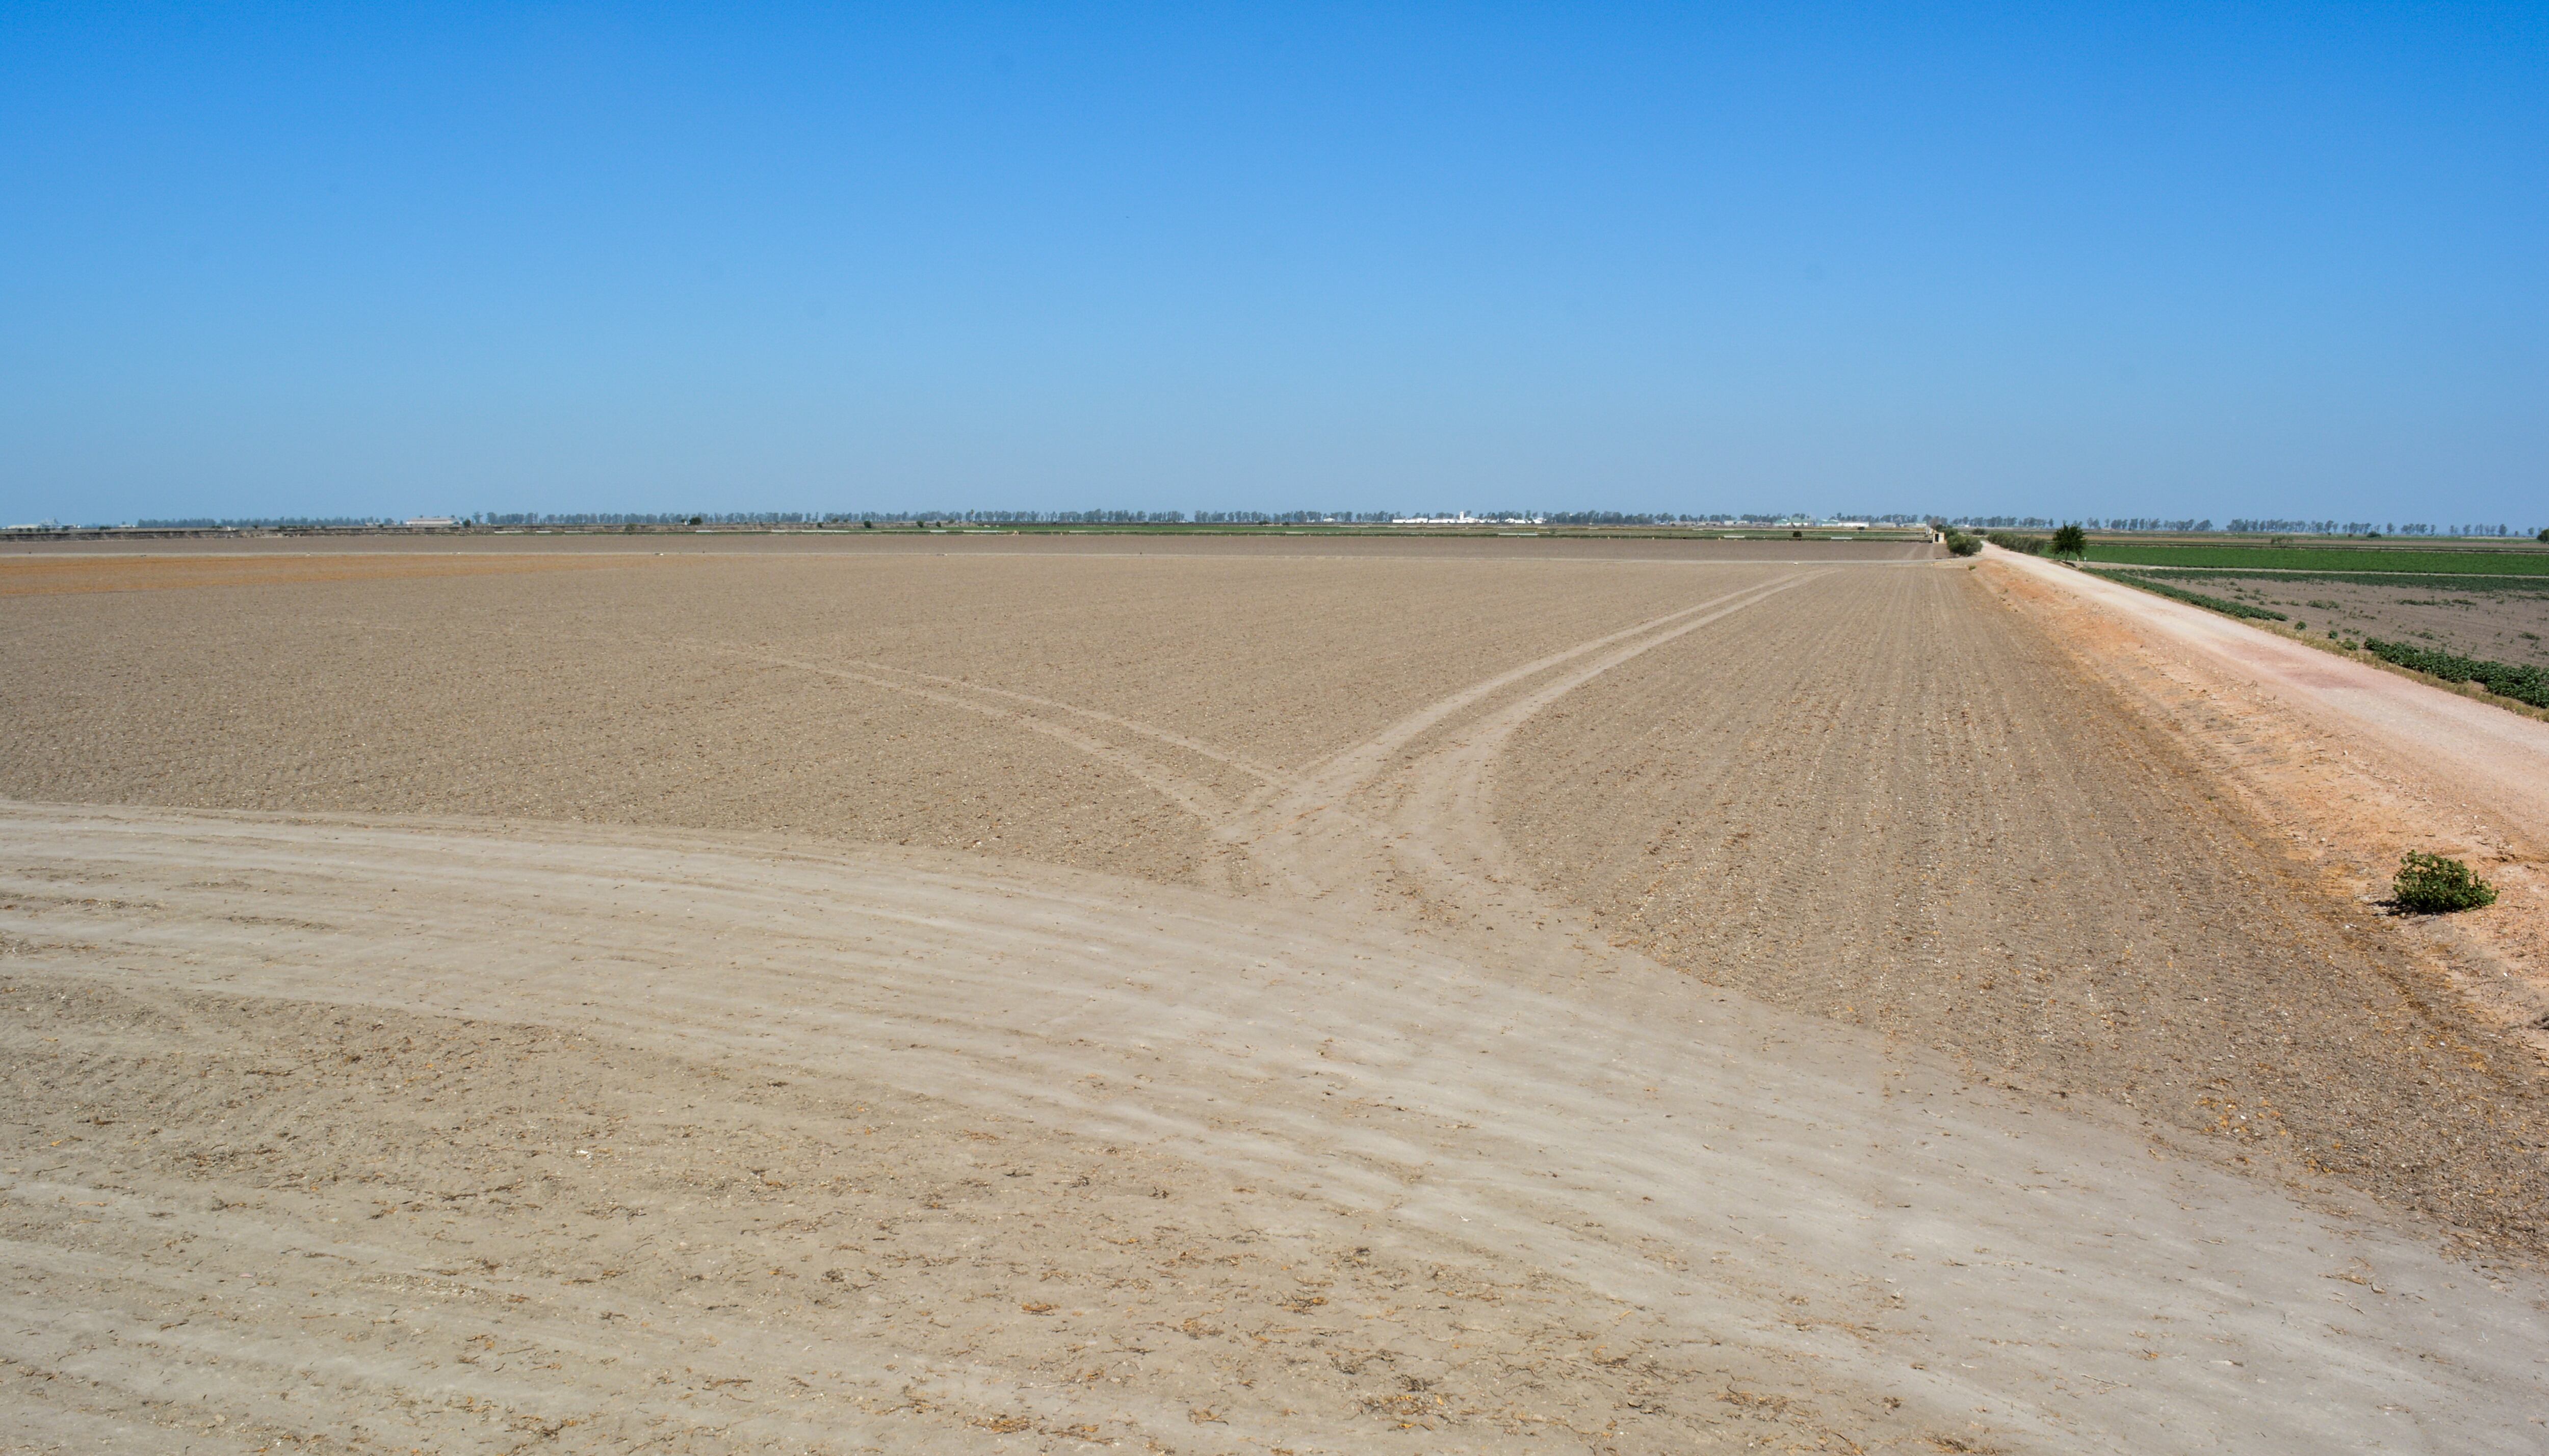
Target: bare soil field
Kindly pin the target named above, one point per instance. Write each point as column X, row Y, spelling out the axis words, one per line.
column 2499, row 623
column 975, row 701
column 1227, row 999
column 68, row 574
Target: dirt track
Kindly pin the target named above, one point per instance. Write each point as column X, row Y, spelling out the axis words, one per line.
column 1271, row 1098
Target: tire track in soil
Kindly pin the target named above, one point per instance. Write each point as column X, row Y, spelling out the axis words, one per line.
column 1320, row 839
column 1862, row 1250
column 1301, row 826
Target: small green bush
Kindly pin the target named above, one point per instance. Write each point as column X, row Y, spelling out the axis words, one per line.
column 1961, row 544
column 2070, row 541
column 2430, row 883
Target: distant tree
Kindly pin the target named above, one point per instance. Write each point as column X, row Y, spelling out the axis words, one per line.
column 2544, row 532
column 2070, row 541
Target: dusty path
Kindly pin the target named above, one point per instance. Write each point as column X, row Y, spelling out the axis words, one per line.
column 341, row 1129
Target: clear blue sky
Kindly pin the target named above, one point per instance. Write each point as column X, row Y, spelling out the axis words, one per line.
column 2220, row 260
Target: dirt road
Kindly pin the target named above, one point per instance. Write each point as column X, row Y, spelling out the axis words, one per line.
column 1283, row 1100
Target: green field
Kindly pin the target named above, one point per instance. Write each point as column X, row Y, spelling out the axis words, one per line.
column 2501, row 562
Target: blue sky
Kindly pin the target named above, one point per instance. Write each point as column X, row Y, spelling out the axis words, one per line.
column 2048, row 259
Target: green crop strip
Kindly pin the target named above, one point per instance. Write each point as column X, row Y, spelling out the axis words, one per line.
column 2505, row 679
column 2523, row 684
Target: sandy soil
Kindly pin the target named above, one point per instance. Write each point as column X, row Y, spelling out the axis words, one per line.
column 460, row 1045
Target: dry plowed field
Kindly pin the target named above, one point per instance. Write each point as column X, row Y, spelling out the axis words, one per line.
column 1202, row 997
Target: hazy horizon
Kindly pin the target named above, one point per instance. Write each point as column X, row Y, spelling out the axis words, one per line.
column 1105, row 519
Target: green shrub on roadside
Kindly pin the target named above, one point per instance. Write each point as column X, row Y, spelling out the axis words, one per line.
column 1961, row 544
column 2430, row 883
column 2070, row 541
